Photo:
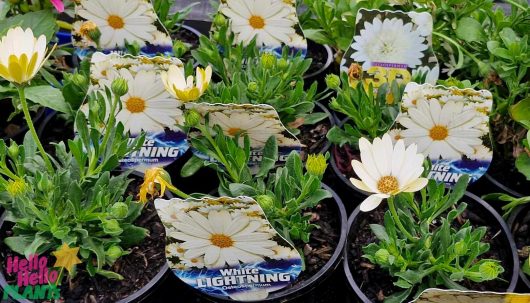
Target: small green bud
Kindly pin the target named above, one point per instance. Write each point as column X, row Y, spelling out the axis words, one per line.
column 216, row 36
column 268, row 60
column 219, row 20
column 24, row 7
column 113, row 253
column 119, row 210
column 428, row 242
column 79, row 80
column 266, row 202
column 283, row 63
column 180, row 48
column 13, row 150
column 489, row 270
column 382, row 256
column 332, row 81
column 252, row 87
column 44, row 184
column 119, row 87
column 111, row 227
column 460, row 248
column 316, row 165
column 192, row 118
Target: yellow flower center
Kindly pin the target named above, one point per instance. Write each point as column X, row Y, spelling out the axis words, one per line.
column 194, row 260
column 116, row 22
column 439, row 132
column 180, row 250
column 135, row 105
column 233, row 131
column 387, row 184
column 256, row 22
column 221, row 240
column 87, row 27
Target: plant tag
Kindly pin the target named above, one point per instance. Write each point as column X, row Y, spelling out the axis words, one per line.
column 117, row 25
column 434, row 295
column 226, row 247
column 259, row 122
column 147, row 106
column 274, row 24
column 391, row 45
column 450, row 126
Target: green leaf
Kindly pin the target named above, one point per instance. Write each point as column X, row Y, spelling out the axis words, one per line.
column 109, row 274
column 526, row 267
column 380, row 232
column 521, row 110
column 270, row 154
column 191, row 167
column 41, row 22
column 48, row 96
column 399, row 296
column 470, row 30
column 18, row 244
column 238, row 189
column 314, row 118
column 522, row 163
column 132, row 235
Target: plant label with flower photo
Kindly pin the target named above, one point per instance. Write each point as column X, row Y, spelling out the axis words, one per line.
column 434, row 295
column 226, row 247
column 273, row 23
column 450, row 126
column 391, row 45
column 118, row 25
column 259, row 122
column 147, row 106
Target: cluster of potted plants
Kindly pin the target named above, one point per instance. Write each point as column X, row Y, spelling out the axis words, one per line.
column 137, row 152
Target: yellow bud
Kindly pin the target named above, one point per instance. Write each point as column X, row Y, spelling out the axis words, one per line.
column 316, row 165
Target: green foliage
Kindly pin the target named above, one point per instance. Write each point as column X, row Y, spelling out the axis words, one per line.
column 440, row 253
column 171, row 20
column 40, row 22
column 369, row 114
column 284, row 193
column 79, row 202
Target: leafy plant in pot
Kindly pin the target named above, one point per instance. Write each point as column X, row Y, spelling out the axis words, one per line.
column 368, row 114
column 427, row 238
column 70, row 206
column 304, row 211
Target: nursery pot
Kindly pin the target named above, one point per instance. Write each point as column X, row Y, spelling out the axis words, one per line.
column 518, row 221
column 314, row 136
column 479, row 211
column 141, row 295
column 322, row 64
column 308, row 290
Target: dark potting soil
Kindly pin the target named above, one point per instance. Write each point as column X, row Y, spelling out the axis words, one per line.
column 56, row 130
column 377, row 283
column 137, row 268
column 521, row 234
column 187, row 37
column 343, row 157
column 313, row 137
column 9, row 129
column 319, row 55
column 506, row 174
column 322, row 242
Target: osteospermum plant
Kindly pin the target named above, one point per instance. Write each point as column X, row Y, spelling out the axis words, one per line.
column 420, row 244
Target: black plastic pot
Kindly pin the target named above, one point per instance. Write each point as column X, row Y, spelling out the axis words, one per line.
column 487, row 213
column 519, row 215
column 320, row 74
column 141, row 295
column 307, row 291
column 19, row 135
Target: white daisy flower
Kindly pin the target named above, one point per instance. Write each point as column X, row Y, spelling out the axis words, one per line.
column 386, row 170
column 207, row 209
column 441, row 131
column 283, row 253
column 267, row 20
column 481, row 153
column 175, row 250
column 147, row 105
column 395, row 135
column 221, row 239
column 389, row 41
column 160, row 38
column 120, row 21
column 452, row 98
column 413, row 94
column 193, row 262
column 432, row 74
column 258, row 128
column 168, row 210
column 423, row 21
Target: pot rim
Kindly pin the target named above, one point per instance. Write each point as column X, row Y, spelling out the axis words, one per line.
column 511, row 221
column 503, row 187
column 319, row 277
column 504, row 227
column 326, row 65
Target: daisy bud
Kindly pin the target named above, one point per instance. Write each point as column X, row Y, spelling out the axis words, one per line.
column 112, row 227
column 219, row 20
column 252, row 87
column 283, row 63
column 268, row 60
column 490, row 270
column 192, row 118
column 180, row 48
column 24, row 7
column 266, row 202
column 119, row 87
column 119, row 210
column 332, row 81
column 316, row 165
column 80, row 80
column 460, row 248
column 382, row 256
column 113, row 253
column 13, row 150
column 15, row 188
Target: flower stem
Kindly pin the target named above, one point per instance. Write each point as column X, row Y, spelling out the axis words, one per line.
column 32, row 130
column 179, row 193
column 395, row 215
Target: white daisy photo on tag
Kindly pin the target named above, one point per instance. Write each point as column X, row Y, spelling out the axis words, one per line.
column 450, row 126
column 226, row 247
column 116, row 25
column 259, row 122
column 391, row 45
column 146, row 106
column 273, row 23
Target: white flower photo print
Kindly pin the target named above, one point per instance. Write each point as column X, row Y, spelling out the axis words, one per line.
column 112, row 25
column 147, row 106
column 259, row 122
column 450, row 126
column 391, row 45
column 274, row 24
column 226, row 247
